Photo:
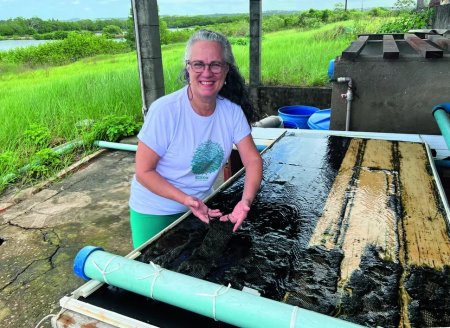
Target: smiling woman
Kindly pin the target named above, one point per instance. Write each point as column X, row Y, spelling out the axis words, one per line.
column 187, row 138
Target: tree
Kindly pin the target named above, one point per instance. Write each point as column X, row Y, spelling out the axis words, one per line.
column 404, row 4
column 129, row 36
column 112, row 30
column 420, row 5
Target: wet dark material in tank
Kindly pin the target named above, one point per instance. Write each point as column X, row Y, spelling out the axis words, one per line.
column 147, row 310
column 430, row 291
column 271, row 253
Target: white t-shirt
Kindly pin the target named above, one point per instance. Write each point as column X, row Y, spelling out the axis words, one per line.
column 192, row 148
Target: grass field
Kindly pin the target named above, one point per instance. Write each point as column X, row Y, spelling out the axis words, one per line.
column 59, row 97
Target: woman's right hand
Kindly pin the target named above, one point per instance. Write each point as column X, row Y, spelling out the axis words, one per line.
column 200, row 210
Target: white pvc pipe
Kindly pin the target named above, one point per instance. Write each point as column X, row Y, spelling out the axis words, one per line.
column 349, row 97
column 272, row 121
column 115, row 145
column 60, row 150
column 348, row 114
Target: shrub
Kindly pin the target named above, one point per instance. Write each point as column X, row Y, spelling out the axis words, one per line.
column 57, row 35
column 44, row 163
column 407, row 21
column 238, row 41
column 37, row 136
column 338, row 31
column 9, row 161
column 112, row 128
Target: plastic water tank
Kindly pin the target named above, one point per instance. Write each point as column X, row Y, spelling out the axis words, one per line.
column 298, row 114
column 320, row 120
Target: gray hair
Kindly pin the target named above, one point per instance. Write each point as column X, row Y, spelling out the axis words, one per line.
column 206, row 35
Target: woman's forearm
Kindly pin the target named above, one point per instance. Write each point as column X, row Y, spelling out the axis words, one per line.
column 253, row 176
column 154, row 182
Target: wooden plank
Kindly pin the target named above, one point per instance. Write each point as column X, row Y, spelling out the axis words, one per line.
column 425, row 230
column 329, row 225
column 370, row 220
column 390, row 49
column 355, row 48
column 423, row 48
column 377, row 155
column 440, row 41
column 379, row 36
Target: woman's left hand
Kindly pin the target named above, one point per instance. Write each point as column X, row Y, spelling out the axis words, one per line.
column 238, row 215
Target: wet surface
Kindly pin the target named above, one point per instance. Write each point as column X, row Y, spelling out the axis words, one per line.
column 336, row 228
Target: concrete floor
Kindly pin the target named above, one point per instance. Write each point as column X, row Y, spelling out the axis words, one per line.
column 43, row 228
column 41, row 234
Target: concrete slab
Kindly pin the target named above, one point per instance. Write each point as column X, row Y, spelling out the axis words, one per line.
column 41, row 232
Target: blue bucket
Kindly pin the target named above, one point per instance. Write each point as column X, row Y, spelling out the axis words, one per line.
column 289, row 125
column 297, row 114
column 320, row 120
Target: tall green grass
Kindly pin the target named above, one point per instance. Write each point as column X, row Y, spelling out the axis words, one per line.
column 301, row 58
column 59, row 97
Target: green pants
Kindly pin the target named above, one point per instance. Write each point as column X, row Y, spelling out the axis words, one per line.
column 145, row 226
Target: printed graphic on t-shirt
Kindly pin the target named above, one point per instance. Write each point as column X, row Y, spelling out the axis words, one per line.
column 207, row 158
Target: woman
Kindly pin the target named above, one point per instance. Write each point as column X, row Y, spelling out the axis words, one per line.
column 187, row 138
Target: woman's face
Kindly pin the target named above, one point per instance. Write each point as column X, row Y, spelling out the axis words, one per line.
column 207, row 69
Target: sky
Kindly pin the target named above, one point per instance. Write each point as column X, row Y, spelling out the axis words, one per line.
column 93, row 9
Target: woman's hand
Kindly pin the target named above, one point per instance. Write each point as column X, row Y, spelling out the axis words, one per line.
column 238, row 215
column 200, row 210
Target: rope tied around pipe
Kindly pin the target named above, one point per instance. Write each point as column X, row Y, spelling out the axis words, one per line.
column 105, row 271
column 155, row 276
column 216, row 294
column 294, row 317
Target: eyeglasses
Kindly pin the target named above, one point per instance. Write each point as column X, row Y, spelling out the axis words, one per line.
column 199, row 66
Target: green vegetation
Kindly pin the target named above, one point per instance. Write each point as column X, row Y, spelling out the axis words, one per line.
column 73, row 48
column 407, row 21
column 20, row 27
column 86, row 87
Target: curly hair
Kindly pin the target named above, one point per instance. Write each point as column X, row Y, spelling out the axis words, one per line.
column 234, row 88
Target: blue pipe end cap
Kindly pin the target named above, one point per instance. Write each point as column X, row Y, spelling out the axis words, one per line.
column 80, row 260
column 444, row 106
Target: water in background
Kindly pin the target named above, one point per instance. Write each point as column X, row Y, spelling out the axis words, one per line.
column 11, row 44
